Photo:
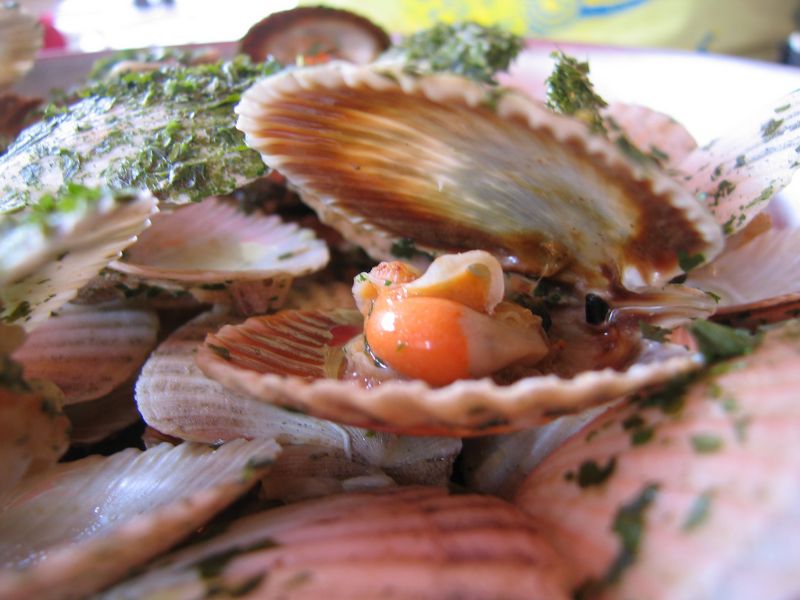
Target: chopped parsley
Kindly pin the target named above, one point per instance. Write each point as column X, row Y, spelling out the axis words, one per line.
column 705, row 443
column 718, row 342
column 699, row 511
column 688, row 262
column 570, row 92
column 220, row 351
column 590, row 473
column 629, row 526
column 469, row 49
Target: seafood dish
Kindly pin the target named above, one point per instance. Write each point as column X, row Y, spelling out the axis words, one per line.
column 378, row 317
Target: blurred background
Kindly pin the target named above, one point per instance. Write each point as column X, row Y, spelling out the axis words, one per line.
column 758, row 29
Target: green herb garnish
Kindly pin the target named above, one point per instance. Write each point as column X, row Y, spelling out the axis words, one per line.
column 570, row 92
column 469, row 49
column 718, row 342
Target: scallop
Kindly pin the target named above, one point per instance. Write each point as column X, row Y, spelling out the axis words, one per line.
column 297, row 359
column 223, row 255
column 178, row 400
column 79, row 526
column 691, row 491
column 382, row 156
column 21, row 38
column 314, row 33
column 414, row 542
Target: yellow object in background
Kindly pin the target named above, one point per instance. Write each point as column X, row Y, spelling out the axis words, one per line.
column 744, row 27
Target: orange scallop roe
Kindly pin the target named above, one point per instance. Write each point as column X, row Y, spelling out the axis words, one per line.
column 420, row 337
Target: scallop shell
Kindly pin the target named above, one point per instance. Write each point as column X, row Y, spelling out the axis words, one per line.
column 382, row 155
column 178, row 400
column 399, row 543
column 169, row 132
column 114, row 339
column 45, row 260
column 309, row 31
column 685, row 493
column 653, row 132
column 740, row 172
column 21, row 38
column 295, row 359
column 34, row 432
column 212, row 246
column 80, row 526
column 766, row 267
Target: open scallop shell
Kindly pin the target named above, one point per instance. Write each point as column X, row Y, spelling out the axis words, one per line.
column 213, row 246
column 295, row 359
column 177, row 399
column 313, row 31
column 82, row 525
column 114, row 339
column 44, row 261
column 20, row 39
column 399, row 543
column 382, row 155
column 685, row 493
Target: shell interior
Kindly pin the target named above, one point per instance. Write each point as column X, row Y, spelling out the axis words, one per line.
column 214, row 242
column 296, row 359
column 383, row 156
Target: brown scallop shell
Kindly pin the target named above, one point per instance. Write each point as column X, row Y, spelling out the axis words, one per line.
column 691, row 492
column 310, row 31
column 414, row 542
column 296, row 359
column 383, row 156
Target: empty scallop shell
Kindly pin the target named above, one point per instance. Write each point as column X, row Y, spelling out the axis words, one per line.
column 82, row 525
column 219, row 252
column 114, row 339
column 34, row 433
column 383, row 156
column 313, row 31
column 296, row 359
column 45, row 260
column 685, row 493
column 398, row 543
column 21, row 37
column 178, row 400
